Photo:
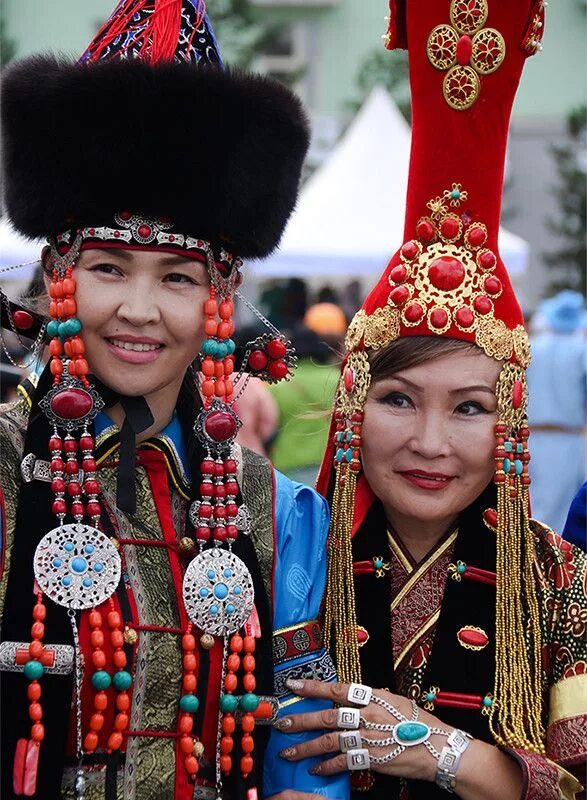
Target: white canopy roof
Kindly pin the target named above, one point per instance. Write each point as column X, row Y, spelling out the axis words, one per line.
column 350, row 215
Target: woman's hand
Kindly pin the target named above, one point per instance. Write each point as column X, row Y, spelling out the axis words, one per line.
column 414, row 763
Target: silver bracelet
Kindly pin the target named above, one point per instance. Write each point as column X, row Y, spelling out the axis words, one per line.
column 449, row 759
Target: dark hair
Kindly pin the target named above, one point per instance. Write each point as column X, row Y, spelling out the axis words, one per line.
column 411, row 351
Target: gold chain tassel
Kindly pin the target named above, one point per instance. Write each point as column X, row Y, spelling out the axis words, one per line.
column 340, row 621
column 516, row 718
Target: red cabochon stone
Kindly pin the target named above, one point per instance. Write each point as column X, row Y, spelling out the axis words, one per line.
column 399, row 295
column 473, row 638
column 71, row 404
column 220, row 426
column 414, row 312
column 425, row 230
column 446, row 273
column 398, row 274
column 464, row 50
column 438, row 318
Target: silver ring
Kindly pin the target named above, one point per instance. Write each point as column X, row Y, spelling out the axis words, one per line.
column 359, row 694
column 358, row 759
column 349, row 740
column 348, row 718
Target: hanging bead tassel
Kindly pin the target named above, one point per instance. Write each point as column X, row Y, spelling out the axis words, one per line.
column 121, row 680
column 516, row 718
column 189, row 703
column 340, row 622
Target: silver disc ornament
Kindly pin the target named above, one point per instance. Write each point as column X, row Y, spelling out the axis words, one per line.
column 218, row 592
column 77, row 566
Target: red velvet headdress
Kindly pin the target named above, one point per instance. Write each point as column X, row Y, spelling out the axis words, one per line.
column 447, row 278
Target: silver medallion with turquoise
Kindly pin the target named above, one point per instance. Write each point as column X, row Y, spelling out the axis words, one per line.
column 77, row 566
column 218, row 592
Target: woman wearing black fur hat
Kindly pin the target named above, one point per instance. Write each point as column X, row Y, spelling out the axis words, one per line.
column 148, row 563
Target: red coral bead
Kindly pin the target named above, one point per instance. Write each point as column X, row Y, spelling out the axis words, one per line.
column 483, row 304
column 93, row 509
column 278, row 369
column 450, row 227
column 258, row 360
column 399, row 295
column 276, row 349
column 425, row 230
column 398, row 274
column 414, row 312
column 465, row 317
column 464, row 50
column 446, row 273
column 22, row 320
column 410, row 250
column 476, row 235
column 71, row 403
column 438, row 318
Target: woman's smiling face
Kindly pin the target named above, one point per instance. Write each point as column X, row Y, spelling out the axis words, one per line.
column 142, row 315
column 428, row 437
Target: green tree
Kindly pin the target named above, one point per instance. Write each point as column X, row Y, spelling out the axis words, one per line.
column 7, row 45
column 387, row 68
column 241, row 35
column 569, row 262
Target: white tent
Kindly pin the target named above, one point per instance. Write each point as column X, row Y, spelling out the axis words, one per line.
column 14, row 249
column 350, row 216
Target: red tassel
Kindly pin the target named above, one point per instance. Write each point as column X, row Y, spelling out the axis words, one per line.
column 166, row 21
column 118, row 22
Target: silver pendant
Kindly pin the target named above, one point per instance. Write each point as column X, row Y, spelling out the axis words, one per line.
column 77, row 566
column 218, row 592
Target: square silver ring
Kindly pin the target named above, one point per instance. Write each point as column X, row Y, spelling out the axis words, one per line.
column 348, row 718
column 359, row 694
column 349, row 740
column 358, row 759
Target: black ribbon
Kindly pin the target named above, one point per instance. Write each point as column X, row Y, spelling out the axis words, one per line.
column 138, row 418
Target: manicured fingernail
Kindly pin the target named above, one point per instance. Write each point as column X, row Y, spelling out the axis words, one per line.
column 317, row 770
column 295, row 684
column 289, row 752
column 283, row 724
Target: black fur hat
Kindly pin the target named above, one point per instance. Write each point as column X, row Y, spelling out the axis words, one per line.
column 217, row 151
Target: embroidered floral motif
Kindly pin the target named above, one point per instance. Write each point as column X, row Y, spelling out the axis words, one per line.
column 576, row 620
column 558, row 561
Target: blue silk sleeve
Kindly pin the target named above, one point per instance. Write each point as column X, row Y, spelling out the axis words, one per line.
column 301, row 525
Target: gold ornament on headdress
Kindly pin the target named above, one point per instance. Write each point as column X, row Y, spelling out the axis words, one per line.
column 516, row 718
column 340, row 622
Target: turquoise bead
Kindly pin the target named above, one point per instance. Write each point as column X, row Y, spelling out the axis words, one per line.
column 411, row 732
column 461, row 568
column 519, row 448
column 487, row 702
column 518, row 466
column 221, row 350
column 189, row 702
column 340, row 436
column 349, row 436
column 122, row 680
column 101, row 680
column 74, row 325
column 378, row 563
column 507, row 446
column 339, row 455
column 230, row 346
column 228, row 703
column 430, row 697
column 249, row 702
column 455, row 194
column 33, row 670
column 349, row 456
column 53, row 328
column 209, row 347
column 507, row 465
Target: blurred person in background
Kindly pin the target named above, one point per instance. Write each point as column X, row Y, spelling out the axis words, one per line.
column 557, row 407
column 259, row 415
column 304, row 403
column 575, row 530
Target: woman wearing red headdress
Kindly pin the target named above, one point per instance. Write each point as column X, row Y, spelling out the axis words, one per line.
column 158, row 584
column 441, row 587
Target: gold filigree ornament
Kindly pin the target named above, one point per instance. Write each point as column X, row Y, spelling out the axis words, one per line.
column 382, row 327
column 467, row 16
column 494, row 337
column 466, row 49
column 512, row 396
column 521, row 342
column 355, row 330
